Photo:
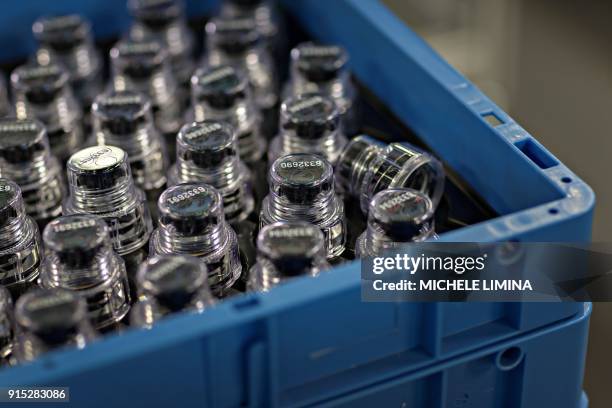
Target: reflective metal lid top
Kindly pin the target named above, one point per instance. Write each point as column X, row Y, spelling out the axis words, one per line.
column 98, row 167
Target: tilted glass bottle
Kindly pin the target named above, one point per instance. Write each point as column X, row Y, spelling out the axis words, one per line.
column 367, row 166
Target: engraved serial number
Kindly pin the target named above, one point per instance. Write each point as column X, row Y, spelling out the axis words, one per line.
column 321, row 51
column 202, row 129
column 18, row 126
column 397, row 200
column 187, row 194
column 291, row 232
column 74, row 225
column 216, row 75
column 305, row 104
column 301, row 164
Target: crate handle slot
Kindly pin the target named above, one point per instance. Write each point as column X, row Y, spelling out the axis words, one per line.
column 536, row 153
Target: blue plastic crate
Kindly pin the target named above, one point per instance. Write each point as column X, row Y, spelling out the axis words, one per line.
column 542, row 368
column 313, row 339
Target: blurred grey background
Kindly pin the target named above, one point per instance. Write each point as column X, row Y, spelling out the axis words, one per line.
column 548, row 63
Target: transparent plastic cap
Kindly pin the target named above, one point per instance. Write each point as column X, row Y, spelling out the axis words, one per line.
column 138, row 59
column 233, row 35
column 61, row 32
column 20, row 248
column 76, row 240
column 207, row 144
column 39, row 84
column 98, row 168
column 21, row 141
column 191, row 209
column 309, row 116
column 319, row 63
column 156, row 13
column 174, row 281
column 292, row 247
column 301, row 178
column 121, row 112
column 401, row 213
column 50, row 313
column 12, row 210
column 219, row 87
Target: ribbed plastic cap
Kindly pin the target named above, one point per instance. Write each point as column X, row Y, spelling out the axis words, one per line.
column 219, row 87
column 233, row 35
column 121, row 113
column 22, row 140
column 401, row 213
column 301, row 178
column 138, row 59
column 11, row 203
column 319, row 63
column 98, row 168
column 207, row 144
column 291, row 247
column 155, row 13
column 54, row 314
column 191, row 209
column 39, row 84
column 61, row 32
column 173, row 280
column 310, row 116
column 76, row 239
